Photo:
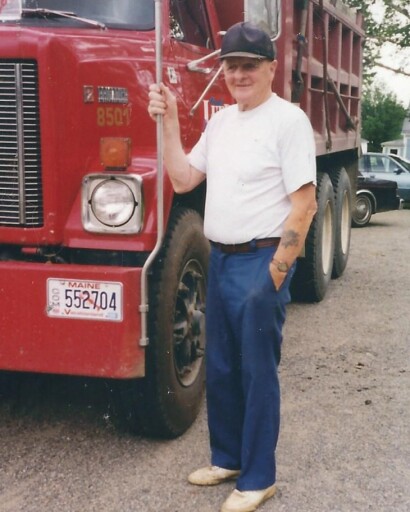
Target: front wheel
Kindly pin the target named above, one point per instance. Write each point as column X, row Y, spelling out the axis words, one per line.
column 166, row 402
column 362, row 212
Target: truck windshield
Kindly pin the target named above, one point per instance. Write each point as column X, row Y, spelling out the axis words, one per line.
column 128, row 14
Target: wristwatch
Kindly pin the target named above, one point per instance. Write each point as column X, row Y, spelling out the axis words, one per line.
column 282, row 266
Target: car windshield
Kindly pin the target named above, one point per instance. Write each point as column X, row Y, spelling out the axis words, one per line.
column 131, row 14
column 379, row 163
column 401, row 161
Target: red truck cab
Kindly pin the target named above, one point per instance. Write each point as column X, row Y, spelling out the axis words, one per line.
column 79, row 184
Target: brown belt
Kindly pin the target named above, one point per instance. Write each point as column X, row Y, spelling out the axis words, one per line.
column 247, row 246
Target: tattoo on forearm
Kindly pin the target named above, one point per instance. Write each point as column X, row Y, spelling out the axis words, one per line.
column 290, row 238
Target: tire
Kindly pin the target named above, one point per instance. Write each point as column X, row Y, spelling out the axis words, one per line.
column 362, row 212
column 166, row 402
column 343, row 220
column 314, row 271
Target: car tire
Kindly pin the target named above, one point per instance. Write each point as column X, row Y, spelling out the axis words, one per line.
column 166, row 402
column 362, row 212
column 314, row 271
column 343, row 220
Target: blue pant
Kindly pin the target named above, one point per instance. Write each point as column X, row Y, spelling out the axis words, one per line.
column 244, row 320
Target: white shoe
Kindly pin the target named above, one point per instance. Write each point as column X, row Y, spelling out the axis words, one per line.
column 247, row 501
column 212, row 475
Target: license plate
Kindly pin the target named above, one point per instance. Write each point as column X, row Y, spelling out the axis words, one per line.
column 92, row 300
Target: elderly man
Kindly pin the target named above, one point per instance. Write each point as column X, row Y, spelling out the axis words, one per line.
column 258, row 157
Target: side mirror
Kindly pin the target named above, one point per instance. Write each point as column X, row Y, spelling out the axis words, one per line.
column 398, row 171
column 266, row 14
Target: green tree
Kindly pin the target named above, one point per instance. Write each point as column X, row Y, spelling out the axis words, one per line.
column 382, row 117
column 389, row 23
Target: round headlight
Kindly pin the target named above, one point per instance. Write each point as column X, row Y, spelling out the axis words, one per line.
column 113, row 202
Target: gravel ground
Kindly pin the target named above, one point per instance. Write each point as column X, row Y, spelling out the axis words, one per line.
column 345, row 439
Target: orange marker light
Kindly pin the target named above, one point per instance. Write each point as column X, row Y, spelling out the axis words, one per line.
column 115, row 153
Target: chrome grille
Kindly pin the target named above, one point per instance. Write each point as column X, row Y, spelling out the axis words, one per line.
column 20, row 159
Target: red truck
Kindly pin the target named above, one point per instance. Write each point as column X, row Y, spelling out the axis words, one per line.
column 102, row 266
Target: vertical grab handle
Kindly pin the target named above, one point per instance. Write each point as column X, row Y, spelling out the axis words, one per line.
column 144, row 307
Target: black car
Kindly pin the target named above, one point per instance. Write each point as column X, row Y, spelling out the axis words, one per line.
column 374, row 196
column 387, row 167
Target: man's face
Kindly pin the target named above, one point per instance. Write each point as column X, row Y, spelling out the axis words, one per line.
column 249, row 80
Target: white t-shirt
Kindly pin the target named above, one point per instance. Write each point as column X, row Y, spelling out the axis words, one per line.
column 253, row 160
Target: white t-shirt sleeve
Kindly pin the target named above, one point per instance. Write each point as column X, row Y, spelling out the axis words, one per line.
column 198, row 155
column 298, row 153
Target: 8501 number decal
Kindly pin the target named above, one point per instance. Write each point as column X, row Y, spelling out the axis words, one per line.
column 113, row 116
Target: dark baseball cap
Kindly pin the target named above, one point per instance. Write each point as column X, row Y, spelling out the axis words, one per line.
column 247, row 40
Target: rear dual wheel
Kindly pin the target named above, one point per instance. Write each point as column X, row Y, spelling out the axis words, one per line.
column 314, row 271
column 343, row 213
column 328, row 241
